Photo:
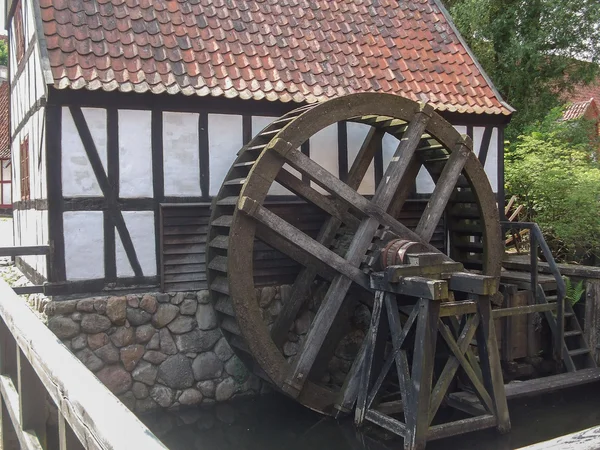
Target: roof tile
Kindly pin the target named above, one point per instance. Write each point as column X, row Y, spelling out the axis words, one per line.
column 281, row 51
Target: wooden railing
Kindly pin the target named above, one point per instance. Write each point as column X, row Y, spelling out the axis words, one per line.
column 536, row 238
column 35, row 367
column 26, row 251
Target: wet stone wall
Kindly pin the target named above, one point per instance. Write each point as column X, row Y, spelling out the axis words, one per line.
column 153, row 350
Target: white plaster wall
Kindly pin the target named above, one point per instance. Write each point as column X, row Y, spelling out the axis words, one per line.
column 260, row 122
column 141, row 229
column 462, row 129
column 491, row 163
column 84, row 245
column 31, row 230
column 357, row 132
column 180, row 154
column 324, row 151
column 6, row 169
column 30, row 85
column 425, row 184
column 477, row 138
column 225, row 139
column 78, row 178
column 6, row 194
column 389, row 147
column 31, row 226
column 135, row 154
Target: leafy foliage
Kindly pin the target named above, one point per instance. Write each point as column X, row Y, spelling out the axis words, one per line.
column 532, row 49
column 574, row 292
column 555, row 173
column 3, row 53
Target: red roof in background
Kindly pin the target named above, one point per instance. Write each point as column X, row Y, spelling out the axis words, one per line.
column 279, row 50
column 4, row 126
column 577, row 109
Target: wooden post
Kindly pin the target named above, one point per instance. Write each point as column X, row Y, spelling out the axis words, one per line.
column 417, row 417
column 490, row 363
column 365, row 377
column 32, row 396
column 591, row 328
column 8, row 352
column 8, row 440
column 66, row 438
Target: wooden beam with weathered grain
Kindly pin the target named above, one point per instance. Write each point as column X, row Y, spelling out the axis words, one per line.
column 298, row 187
column 25, row 250
column 447, row 375
column 298, row 238
column 419, row 287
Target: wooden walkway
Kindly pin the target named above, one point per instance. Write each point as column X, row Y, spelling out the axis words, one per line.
column 582, row 440
column 535, row 387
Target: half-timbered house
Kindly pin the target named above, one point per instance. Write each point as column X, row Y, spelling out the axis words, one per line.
column 5, row 162
column 126, row 116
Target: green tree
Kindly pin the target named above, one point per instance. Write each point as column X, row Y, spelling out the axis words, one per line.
column 554, row 171
column 532, row 49
column 3, row 53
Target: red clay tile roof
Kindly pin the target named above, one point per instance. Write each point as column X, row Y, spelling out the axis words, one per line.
column 577, row 109
column 4, row 128
column 281, row 50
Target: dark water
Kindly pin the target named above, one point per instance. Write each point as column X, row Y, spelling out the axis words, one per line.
column 277, row 423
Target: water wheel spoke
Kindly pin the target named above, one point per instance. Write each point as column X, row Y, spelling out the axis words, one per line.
column 402, row 158
column 442, row 192
column 298, row 187
column 365, row 155
column 318, row 331
column 300, row 239
column 295, row 252
column 326, row 236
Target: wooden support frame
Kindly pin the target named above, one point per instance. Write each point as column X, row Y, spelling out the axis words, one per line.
column 419, row 398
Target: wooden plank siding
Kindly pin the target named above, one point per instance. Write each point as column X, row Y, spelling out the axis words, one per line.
column 183, row 231
column 183, row 236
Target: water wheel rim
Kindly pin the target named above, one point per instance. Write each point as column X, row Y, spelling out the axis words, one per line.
column 242, row 230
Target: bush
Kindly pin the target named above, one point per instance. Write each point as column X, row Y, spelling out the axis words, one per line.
column 554, row 171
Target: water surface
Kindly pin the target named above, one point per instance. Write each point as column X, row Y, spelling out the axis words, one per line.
column 276, row 423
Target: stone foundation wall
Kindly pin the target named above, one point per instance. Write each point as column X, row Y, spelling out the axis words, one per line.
column 153, row 350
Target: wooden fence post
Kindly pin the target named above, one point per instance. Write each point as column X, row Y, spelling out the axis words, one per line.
column 591, row 328
column 32, row 397
column 66, row 436
column 8, row 440
column 8, row 352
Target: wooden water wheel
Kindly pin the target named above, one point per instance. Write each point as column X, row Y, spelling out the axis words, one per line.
column 337, row 258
